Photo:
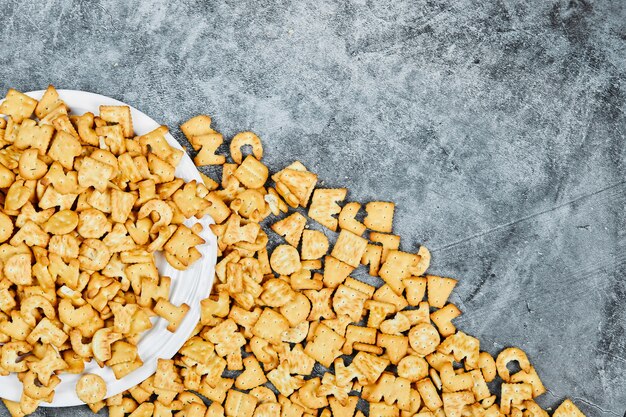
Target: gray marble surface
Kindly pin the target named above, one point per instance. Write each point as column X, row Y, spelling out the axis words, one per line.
column 496, row 126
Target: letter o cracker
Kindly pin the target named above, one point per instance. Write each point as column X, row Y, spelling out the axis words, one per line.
column 285, row 260
column 413, row 368
column 424, row 338
column 509, row 355
column 245, row 138
column 91, row 388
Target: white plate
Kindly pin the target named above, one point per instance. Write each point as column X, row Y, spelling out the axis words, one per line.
column 190, row 286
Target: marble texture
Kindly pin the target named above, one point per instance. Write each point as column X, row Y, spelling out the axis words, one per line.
column 497, row 127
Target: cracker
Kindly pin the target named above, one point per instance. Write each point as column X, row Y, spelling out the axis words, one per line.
column 314, row 244
column 155, row 145
column 226, row 337
column 236, row 233
column 462, row 347
column 217, row 208
column 335, row 271
column 270, row 326
column 347, row 219
column 379, row 216
column 337, row 324
column 6, row 227
column 413, row 368
column 251, row 205
column 372, row 257
column 358, row 334
column 7, row 177
column 207, row 145
column 439, row 289
column 276, row 204
column 30, row 168
column 252, row 173
column 415, row 290
column 242, row 139
column 325, row 346
column 424, row 338
column 423, row 256
column 378, row 312
column 386, row 294
column 429, row 394
column 277, row 293
column 389, row 242
column 369, row 348
column 239, row 404
column 49, row 363
column 252, row 377
column 455, row 403
column 122, row 352
column 209, row 182
column 343, row 408
column 383, row 410
column 350, row 302
column 324, row 206
column 396, row 326
column 198, row 125
column 367, row 368
column 304, row 280
column 285, row 260
column 396, row 346
column 308, row 395
column 320, row 304
column 514, row 394
column 63, row 124
column 349, row 248
column 487, row 366
column 118, row 115
column 291, row 229
column 161, row 170
column 479, row 385
column 174, row 315
column 30, row 135
column 93, row 173
column 84, row 126
column 509, row 355
column 296, row 360
column 532, row 378
column 18, row 105
column 397, row 268
column 49, row 101
column 443, row 319
column 295, row 183
column 360, row 286
column 567, row 409
column 533, row 409
column 391, row 389
column 91, row 388
column 283, row 381
column 452, row 381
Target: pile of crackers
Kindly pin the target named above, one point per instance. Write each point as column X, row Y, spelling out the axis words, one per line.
column 84, row 207
column 288, row 332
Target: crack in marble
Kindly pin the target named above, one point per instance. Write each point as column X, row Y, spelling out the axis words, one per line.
column 525, row 218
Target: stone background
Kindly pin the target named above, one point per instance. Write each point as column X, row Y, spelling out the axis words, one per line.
column 496, row 126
